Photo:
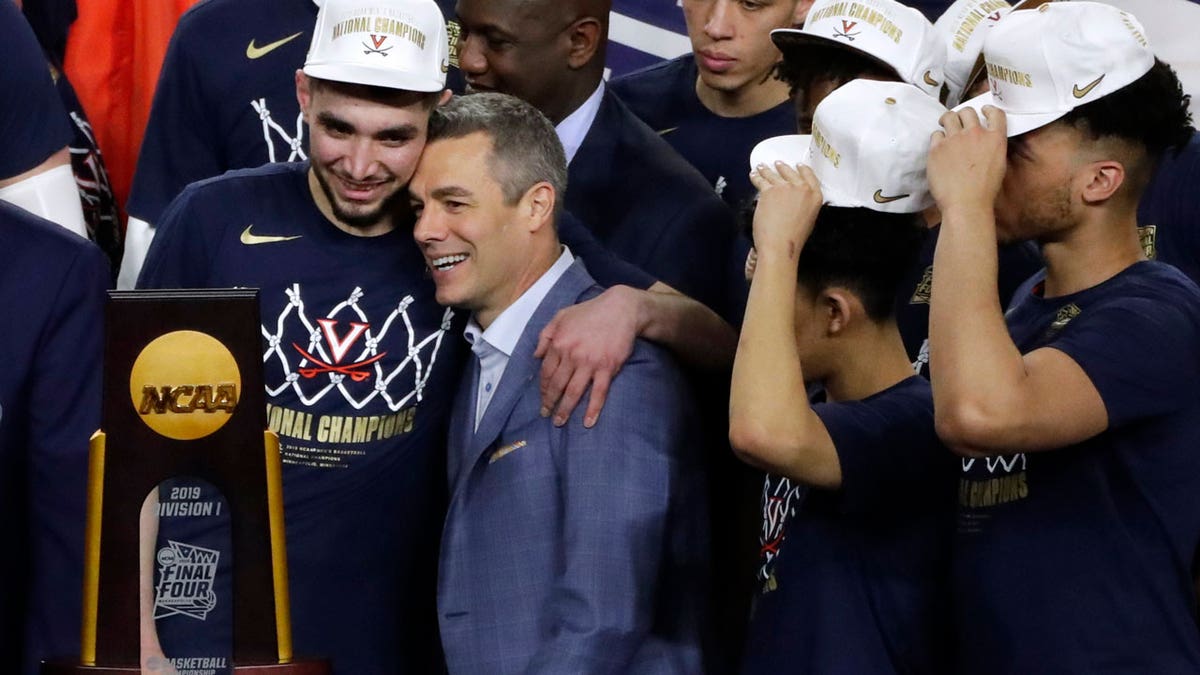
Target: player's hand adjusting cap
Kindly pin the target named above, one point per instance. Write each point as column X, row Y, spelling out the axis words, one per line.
column 868, row 148
column 1043, row 64
column 399, row 44
column 898, row 37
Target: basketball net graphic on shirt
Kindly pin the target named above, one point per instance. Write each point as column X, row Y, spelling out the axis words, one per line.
column 779, row 500
column 271, row 129
column 344, row 351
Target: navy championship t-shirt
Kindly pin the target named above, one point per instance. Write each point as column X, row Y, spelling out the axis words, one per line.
column 664, row 97
column 860, row 583
column 360, row 365
column 1169, row 213
column 33, row 122
column 1017, row 262
column 226, row 96
column 1080, row 559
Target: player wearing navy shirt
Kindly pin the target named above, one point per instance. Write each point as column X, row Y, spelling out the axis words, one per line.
column 225, row 99
column 360, row 365
column 52, row 291
column 859, row 583
column 638, row 196
column 33, row 126
column 1017, row 262
column 35, row 166
column 1167, row 215
column 715, row 104
column 1078, row 525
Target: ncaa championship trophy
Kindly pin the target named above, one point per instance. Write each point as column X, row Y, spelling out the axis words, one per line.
column 185, row 569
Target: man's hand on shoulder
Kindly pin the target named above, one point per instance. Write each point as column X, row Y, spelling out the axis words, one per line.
column 586, row 344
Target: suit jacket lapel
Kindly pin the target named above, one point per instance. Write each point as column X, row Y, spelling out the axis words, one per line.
column 462, row 419
column 522, row 366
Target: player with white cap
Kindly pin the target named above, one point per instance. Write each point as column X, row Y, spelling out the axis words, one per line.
column 842, row 41
column 358, row 368
column 963, row 27
column 861, row 567
column 1076, row 411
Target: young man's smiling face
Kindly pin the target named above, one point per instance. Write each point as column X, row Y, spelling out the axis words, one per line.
column 363, row 149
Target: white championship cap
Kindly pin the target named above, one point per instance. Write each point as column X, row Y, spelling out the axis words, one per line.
column 868, row 148
column 963, row 28
column 899, row 37
column 399, row 44
column 1042, row 65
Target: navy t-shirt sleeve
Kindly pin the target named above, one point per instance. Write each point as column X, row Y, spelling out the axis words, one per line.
column 700, row 266
column 179, row 145
column 605, row 267
column 179, row 254
column 888, row 450
column 33, row 122
column 1140, row 354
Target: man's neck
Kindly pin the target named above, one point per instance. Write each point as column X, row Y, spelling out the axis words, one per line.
column 757, row 96
column 574, row 96
column 1091, row 254
column 870, row 363
column 539, row 264
column 384, row 225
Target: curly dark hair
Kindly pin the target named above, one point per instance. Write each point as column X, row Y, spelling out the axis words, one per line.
column 1151, row 111
column 802, row 63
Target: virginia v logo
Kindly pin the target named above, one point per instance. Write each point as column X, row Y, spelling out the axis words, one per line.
column 185, row 584
column 339, row 347
column 847, row 26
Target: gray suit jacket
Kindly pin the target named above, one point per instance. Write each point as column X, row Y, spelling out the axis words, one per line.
column 572, row 550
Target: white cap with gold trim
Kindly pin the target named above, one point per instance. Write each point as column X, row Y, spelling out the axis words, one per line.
column 869, row 146
column 398, row 44
column 897, row 36
column 1043, row 64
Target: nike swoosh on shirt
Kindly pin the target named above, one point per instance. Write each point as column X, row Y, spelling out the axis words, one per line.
column 255, row 52
column 880, row 199
column 1080, row 93
column 254, row 239
column 664, row 132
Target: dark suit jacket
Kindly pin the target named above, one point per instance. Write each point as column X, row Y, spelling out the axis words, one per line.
column 572, row 550
column 650, row 207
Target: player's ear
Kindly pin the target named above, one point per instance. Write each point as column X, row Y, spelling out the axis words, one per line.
column 1102, row 181
column 839, row 308
column 303, row 92
column 800, row 15
column 445, row 97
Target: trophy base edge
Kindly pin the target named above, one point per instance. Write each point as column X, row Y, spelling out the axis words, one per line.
column 295, row 667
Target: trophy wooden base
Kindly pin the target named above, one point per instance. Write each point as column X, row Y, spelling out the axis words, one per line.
column 298, row 667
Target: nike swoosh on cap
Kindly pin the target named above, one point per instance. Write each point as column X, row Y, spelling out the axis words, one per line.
column 929, row 79
column 250, row 239
column 1080, row 93
column 880, row 199
column 255, row 52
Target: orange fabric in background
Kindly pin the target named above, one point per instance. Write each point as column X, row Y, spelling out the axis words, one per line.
column 114, row 53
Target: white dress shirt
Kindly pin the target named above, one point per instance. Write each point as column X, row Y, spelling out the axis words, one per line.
column 573, row 129
column 494, row 346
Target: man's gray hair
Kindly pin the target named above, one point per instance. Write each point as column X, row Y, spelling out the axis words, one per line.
column 525, row 147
